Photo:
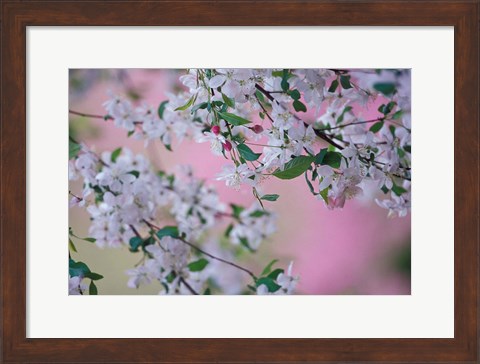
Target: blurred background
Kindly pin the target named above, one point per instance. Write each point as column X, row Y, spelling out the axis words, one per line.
column 355, row 250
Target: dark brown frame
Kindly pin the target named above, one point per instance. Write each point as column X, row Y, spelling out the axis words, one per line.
column 16, row 16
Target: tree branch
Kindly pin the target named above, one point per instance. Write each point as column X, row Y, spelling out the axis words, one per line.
column 154, row 227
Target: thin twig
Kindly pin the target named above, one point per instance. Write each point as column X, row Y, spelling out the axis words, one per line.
column 204, row 252
column 189, row 287
column 103, row 117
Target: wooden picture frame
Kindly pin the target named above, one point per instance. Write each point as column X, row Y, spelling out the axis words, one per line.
column 18, row 15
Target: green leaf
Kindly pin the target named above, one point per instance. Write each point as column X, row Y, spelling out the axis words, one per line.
column 397, row 115
column 207, row 292
column 295, row 94
column 284, row 83
column 134, row 173
column 187, row 105
column 268, row 268
column 299, row 106
column 230, row 102
column 161, row 108
column 385, row 88
column 228, row 230
column 245, row 243
column 93, row 276
column 73, row 148
column 272, row 197
column 375, row 128
column 115, row 154
column 202, row 105
column 247, row 153
column 345, row 81
column 233, row 119
column 135, row 243
column 332, row 159
column 260, row 96
column 258, row 213
column 92, row 289
column 168, row 231
column 324, row 195
column 294, row 168
column 385, row 109
column 398, row 190
column 171, row 277
column 71, row 246
column 237, row 210
column 274, row 275
column 90, row 240
column 333, row 86
column 198, row 266
column 77, row 269
column 310, row 186
column 269, row 282
column 319, row 157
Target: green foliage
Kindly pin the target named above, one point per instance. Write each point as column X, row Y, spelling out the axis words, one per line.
column 332, row 159
column 345, row 82
column 135, row 243
column 319, row 157
column 294, row 94
column 71, row 246
column 92, row 289
column 333, row 86
column 397, row 115
column 73, row 148
column 230, row 102
column 80, row 269
column 274, row 275
column 272, row 197
column 168, row 231
column 284, row 84
column 269, row 282
column 198, row 265
column 386, row 88
column 398, row 190
column 387, row 108
column 246, row 244
column 236, row 210
column 115, row 154
column 375, row 128
column 202, row 105
column 324, row 195
column 161, row 108
column 134, row 173
column 310, row 186
column 268, row 268
column 233, row 119
column 187, row 105
column 258, row 213
column 93, row 276
column 247, row 153
column 294, row 168
column 299, row 106
column 90, row 240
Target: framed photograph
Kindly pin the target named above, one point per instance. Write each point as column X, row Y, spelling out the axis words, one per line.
column 253, row 181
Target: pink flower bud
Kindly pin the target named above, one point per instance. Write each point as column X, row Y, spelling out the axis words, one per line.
column 227, row 146
column 257, row 129
column 216, row 129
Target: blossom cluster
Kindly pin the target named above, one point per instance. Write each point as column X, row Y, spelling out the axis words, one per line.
column 288, row 122
column 125, row 197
